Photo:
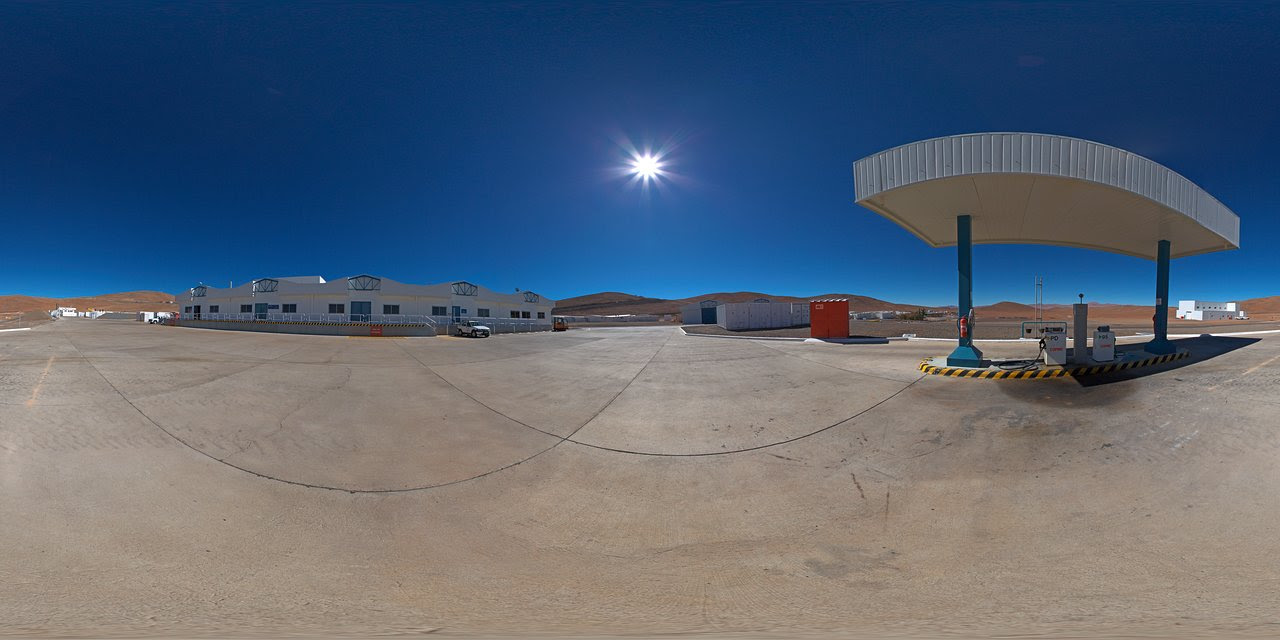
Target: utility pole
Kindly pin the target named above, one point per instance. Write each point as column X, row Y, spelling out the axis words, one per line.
column 1039, row 298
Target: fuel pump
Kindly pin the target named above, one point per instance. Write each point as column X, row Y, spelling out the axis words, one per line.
column 1055, row 345
column 1104, row 344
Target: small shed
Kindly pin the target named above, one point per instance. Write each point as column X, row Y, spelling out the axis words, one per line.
column 829, row 318
column 703, row 312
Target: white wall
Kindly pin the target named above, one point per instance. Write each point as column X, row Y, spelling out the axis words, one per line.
column 312, row 300
column 692, row 313
column 737, row 316
column 1210, row 314
column 1205, row 310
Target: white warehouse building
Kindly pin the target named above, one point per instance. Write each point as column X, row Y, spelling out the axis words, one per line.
column 761, row 314
column 1202, row 310
column 363, row 300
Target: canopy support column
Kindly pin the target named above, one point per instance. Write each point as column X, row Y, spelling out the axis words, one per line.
column 1161, row 345
column 965, row 354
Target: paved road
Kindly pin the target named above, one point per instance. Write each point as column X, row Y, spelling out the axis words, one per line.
column 160, row 480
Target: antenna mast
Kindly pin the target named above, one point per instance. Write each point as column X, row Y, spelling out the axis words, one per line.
column 1039, row 298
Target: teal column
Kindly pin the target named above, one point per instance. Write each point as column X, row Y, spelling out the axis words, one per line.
column 965, row 355
column 1161, row 345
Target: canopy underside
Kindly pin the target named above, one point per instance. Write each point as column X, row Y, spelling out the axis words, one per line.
column 1031, row 209
column 1023, row 188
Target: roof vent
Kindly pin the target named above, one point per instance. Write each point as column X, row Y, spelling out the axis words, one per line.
column 364, row 283
column 265, row 285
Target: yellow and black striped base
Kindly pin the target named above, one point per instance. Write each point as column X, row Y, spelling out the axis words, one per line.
column 1041, row 373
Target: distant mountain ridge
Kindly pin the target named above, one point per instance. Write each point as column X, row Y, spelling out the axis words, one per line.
column 617, row 303
column 126, row 301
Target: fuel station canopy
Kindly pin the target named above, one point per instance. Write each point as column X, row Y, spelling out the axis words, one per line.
column 1032, row 188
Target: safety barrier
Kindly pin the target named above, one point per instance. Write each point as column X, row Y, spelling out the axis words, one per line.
column 1038, row 374
column 437, row 324
column 315, row 318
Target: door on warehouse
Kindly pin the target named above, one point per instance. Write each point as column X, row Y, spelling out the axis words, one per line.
column 708, row 315
column 360, row 311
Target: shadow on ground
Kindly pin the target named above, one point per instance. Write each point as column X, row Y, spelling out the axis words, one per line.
column 1205, row 347
column 1053, row 392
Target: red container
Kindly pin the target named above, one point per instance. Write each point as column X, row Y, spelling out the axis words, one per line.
column 829, row 318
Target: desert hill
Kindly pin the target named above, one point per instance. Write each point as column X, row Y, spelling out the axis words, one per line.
column 127, row 301
column 614, row 302
column 609, row 303
column 1269, row 305
column 1007, row 309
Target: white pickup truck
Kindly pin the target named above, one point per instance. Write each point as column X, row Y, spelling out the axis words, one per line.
column 474, row 329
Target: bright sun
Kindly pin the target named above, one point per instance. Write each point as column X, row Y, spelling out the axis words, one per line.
column 646, row 166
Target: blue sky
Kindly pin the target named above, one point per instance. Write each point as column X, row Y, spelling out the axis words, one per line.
column 156, row 146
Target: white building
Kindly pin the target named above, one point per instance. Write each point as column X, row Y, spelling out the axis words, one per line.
column 874, row 315
column 1201, row 310
column 762, row 314
column 703, row 312
column 71, row 312
column 365, row 299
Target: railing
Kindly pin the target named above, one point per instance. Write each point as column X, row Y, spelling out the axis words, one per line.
column 448, row 324
column 316, row 318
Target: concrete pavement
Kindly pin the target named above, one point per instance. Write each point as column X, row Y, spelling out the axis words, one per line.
column 176, row 481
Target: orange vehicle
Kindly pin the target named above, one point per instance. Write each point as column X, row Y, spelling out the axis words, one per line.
column 559, row 324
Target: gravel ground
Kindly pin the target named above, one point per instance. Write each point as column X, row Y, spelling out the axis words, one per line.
column 25, row 319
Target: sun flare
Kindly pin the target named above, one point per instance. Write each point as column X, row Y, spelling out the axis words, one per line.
column 646, row 166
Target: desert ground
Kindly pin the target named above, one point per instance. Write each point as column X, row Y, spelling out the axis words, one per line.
column 177, row 481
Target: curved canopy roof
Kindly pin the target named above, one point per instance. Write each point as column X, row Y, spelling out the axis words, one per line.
column 1030, row 188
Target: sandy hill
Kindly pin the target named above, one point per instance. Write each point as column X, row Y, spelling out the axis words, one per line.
column 1098, row 311
column 867, row 303
column 1103, row 312
column 1269, row 305
column 23, row 304
column 127, row 301
column 1006, row 309
column 613, row 303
